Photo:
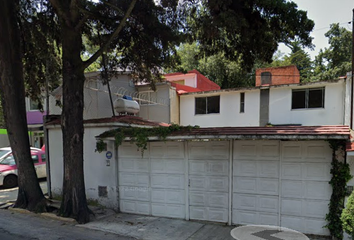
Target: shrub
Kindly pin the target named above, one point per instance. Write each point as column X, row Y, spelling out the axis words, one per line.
column 347, row 217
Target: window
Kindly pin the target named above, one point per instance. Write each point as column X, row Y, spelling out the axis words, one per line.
column 242, row 102
column 35, row 158
column 33, row 105
column 43, row 158
column 308, row 98
column 266, row 78
column 206, row 105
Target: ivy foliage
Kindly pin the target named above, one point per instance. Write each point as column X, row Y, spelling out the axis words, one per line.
column 140, row 136
column 348, row 216
column 340, row 176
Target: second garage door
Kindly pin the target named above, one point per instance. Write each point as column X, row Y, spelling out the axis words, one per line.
column 282, row 183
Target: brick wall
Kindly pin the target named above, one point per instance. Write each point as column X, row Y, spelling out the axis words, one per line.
column 280, row 75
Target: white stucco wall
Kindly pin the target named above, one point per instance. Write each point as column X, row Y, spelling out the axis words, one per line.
column 280, row 111
column 229, row 115
column 190, row 79
column 159, row 111
column 97, row 173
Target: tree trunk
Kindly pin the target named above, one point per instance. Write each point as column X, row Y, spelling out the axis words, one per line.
column 30, row 194
column 74, row 203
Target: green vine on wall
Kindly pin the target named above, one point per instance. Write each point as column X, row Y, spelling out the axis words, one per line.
column 140, row 136
column 340, row 176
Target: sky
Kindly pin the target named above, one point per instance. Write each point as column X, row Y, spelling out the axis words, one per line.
column 324, row 13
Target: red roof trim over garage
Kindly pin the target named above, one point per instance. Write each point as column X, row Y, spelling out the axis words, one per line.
column 275, row 132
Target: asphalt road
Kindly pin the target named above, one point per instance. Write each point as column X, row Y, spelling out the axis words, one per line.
column 30, row 226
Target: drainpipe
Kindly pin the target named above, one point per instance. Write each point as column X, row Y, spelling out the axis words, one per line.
column 352, row 85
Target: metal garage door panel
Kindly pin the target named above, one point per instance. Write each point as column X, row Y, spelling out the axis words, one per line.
column 167, row 196
column 256, row 150
column 306, row 189
column 209, row 183
column 301, row 207
column 306, row 171
column 134, row 165
column 128, row 150
column 309, row 151
column 166, row 150
column 255, row 218
column 167, row 210
column 134, row 179
column 207, row 199
column 167, row 181
column 208, row 167
column 217, row 150
column 256, row 168
column 305, row 225
column 167, row 166
column 265, row 186
column 256, row 182
column 134, row 193
column 135, row 207
column 256, row 203
column 208, row 214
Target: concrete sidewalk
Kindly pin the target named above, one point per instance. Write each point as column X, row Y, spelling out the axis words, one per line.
column 159, row 228
column 156, row 228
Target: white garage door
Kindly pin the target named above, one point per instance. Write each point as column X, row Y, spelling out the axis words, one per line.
column 305, row 192
column 153, row 184
column 289, row 189
column 209, row 180
column 256, row 182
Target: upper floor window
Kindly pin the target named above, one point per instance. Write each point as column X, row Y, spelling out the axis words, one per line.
column 206, row 105
column 242, row 102
column 266, row 78
column 308, row 98
column 33, row 105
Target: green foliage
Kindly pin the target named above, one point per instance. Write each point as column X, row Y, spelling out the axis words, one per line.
column 140, row 136
column 340, row 176
column 224, row 72
column 248, row 29
column 101, row 146
column 347, row 217
column 334, row 61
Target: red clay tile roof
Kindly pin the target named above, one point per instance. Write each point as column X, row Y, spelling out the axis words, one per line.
column 274, row 132
column 184, row 88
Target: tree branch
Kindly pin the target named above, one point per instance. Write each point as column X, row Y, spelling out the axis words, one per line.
column 57, row 5
column 94, row 57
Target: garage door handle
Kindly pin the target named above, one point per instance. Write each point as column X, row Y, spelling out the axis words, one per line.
column 189, row 182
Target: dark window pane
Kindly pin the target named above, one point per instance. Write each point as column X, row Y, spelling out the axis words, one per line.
column 213, row 104
column 298, row 99
column 200, row 105
column 242, row 102
column 43, row 157
column 266, row 78
column 35, row 159
column 316, row 98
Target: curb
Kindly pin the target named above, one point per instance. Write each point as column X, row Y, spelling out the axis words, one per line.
column 45, row 215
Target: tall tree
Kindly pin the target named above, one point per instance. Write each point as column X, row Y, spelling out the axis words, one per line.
column 334, row 61
column 248, row 29
column 135, row 35
column 301, row 60
column 30, row 195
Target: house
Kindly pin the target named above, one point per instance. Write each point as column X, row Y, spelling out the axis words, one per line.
column 162, row 104
column 233, row 169
column 277, row 103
